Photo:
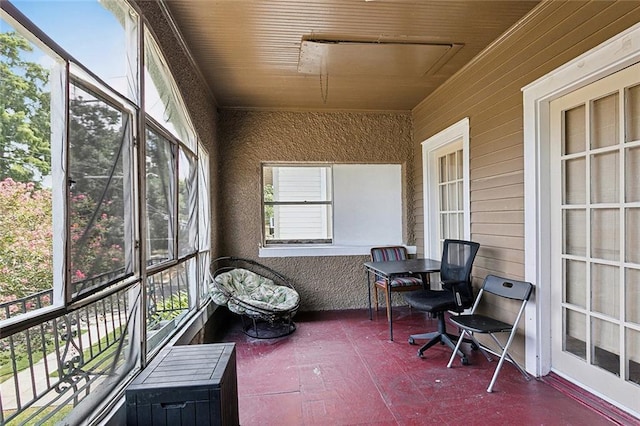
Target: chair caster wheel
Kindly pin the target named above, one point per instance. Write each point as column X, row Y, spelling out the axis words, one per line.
column 420, row 355
column 411, row 341
column 464, row 361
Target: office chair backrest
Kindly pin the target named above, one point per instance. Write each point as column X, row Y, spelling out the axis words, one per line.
column 456, row 264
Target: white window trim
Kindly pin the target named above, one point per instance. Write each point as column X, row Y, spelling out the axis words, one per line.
column 343, row 243
column 609, row 57
column 449, row 135
column 320, row 250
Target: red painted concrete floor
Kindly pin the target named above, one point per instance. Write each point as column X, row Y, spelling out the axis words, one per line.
column 339, row 368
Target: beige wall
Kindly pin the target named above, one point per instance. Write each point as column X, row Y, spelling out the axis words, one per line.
column 488, row 91
column 251, row 137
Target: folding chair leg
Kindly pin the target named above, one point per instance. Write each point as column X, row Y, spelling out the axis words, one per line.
column 504, row 355
column 457, row 348
column 510, row 359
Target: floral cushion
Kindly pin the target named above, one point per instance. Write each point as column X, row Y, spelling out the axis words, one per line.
column 252, row 290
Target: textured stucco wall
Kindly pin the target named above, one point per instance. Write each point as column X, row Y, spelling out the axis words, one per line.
column 249, row 138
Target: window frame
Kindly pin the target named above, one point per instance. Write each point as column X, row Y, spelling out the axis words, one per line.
column 329, row 203
column 194, row 261
column 343, row 244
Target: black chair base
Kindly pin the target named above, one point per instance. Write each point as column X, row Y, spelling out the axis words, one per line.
column 261, row 329
column 441, row 336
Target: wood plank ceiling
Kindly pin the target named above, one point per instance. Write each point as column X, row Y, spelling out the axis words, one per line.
column 365, row 55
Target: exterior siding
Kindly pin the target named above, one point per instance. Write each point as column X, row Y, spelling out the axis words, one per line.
column 488, row 91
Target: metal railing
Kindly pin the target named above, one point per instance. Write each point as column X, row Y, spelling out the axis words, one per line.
column 50, row 368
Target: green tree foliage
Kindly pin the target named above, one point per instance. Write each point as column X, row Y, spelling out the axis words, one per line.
column 97, row 141
column 25, row 150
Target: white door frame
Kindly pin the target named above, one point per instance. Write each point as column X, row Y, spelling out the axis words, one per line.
column 609, row 57
column 449, row 135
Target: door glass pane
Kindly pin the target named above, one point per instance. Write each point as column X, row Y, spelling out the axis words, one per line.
column 575, row 333
column 453, row 195
column 605, row 345
column 575, row 238
column 460, row 196
column 574, row 131
column 574, row 181
column 444, row 199
column 575, row 282
column 632, row 183
column 605, row 290
column 459, row 163
column 453, row 225
column 633, row 356
column 604, row 123
column 605, row 177
column 632, row 235
column 443, row 168
column 605, row 234
column 444, row 228
column 452, row 167
column 632, row 119
column 632, row 295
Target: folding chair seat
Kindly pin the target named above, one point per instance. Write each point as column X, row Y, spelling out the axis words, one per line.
column 482, row 324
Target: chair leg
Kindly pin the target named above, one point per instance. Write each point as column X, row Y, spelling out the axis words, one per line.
column 440, row 336
column 388, row 300
column 375, row 296
column 457, row 348
column 505, row 355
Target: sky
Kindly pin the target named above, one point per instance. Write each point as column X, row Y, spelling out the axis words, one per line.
column 85, row 30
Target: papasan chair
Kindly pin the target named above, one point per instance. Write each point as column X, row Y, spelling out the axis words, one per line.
column 264, row 299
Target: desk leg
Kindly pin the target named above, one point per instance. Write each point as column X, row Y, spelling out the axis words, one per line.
column 368, row 278
column 426, row 280
column 390, row 311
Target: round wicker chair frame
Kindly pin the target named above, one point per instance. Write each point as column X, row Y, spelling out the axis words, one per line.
column 258, row 322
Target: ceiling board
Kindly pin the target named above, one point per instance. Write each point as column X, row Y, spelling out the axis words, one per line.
column 249, row 51
column 348, row 58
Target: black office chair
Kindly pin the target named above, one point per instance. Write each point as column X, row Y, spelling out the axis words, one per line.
column 456, row 294
column 476, row 323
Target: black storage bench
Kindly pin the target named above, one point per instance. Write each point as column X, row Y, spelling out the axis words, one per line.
column 186, row 385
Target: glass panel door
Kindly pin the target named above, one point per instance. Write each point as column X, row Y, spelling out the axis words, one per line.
column 450, row 195
column 596, row 243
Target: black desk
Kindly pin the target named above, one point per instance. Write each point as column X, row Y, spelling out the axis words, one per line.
column 395, row 268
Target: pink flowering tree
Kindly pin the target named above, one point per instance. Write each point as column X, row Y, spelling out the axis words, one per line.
column 26, row 239
column 93, row 251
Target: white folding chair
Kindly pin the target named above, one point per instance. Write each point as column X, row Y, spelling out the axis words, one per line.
column 476, row 323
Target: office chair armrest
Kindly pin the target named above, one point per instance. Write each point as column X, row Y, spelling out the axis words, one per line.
column 460, row 291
